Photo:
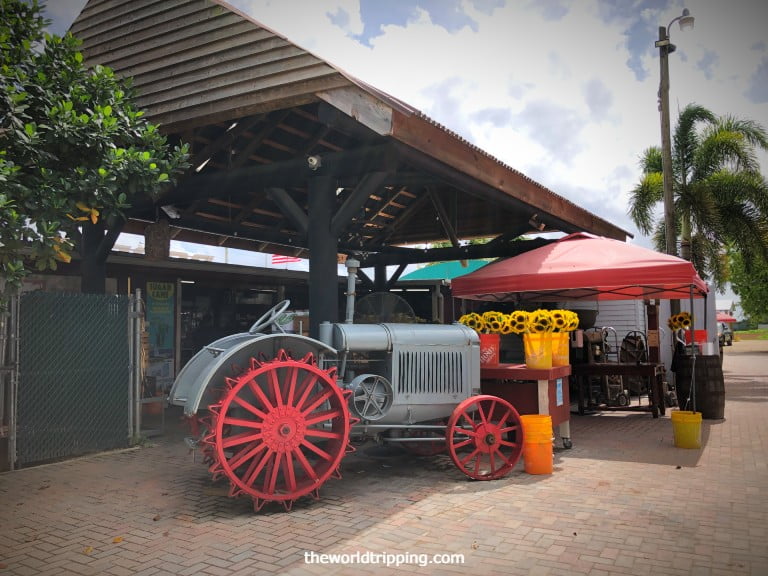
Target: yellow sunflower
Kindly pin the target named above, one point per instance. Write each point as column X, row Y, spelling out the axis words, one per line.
column 518, row 321
column 572, row 319
column 493, row 321
column 680, row 321
column 474, row 321
column 559, row 322
column 540, row 321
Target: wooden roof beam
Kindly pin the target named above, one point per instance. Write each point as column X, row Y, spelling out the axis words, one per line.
column 413, row 210
column 290, row 209
column 356, row 201
column 227, row 137
column 274, row 120
column 442, row 214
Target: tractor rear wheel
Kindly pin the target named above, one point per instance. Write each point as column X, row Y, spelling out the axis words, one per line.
column 280, row 430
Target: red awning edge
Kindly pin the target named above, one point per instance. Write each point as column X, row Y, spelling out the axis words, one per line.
column 583, row 267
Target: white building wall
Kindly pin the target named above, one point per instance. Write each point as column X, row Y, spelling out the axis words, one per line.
column 626, row 316
column 622, row 316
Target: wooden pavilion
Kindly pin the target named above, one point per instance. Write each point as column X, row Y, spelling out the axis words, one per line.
column 291, row 155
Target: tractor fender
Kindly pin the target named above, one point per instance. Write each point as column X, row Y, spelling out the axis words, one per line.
column 208, row 369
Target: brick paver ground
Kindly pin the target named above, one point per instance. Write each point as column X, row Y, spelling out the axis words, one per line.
column 624, row 500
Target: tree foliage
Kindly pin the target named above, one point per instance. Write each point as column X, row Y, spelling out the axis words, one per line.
column 720, row 196
column 74, row 149
column 750, row 283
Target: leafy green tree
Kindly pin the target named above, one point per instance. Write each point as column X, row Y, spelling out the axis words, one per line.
column 750, row 283
column 720, row 196
column 74, row 151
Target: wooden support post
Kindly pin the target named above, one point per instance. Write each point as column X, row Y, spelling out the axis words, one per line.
column 323, row 248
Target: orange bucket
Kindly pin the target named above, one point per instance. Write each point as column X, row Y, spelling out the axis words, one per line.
column 538, row 457
column 538, row 453
column 489, row 348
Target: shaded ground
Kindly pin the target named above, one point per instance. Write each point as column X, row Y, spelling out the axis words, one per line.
column 624, row 500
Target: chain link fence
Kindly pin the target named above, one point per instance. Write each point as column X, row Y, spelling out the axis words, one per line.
column 74, row 388
column 9, row 354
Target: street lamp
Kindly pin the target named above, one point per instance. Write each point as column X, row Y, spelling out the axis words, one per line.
column 665, row 49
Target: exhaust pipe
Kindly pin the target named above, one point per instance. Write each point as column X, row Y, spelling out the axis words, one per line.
column 352, row 267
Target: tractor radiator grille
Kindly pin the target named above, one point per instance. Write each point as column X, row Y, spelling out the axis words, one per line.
column 429, row 373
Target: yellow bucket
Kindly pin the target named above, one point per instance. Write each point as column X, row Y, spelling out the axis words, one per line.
column 561, row 348
column 686, row 427
column 538, row 350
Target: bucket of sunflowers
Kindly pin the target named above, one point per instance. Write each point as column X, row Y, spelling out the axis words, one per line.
column 544, row 333
column 545, row 336
column 489, row 327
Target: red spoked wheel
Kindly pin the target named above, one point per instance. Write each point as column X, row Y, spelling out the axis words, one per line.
column 485, row 437
column 280, row 430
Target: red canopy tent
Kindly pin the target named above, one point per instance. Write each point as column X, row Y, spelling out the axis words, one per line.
column 583, row 267
column 725, row 317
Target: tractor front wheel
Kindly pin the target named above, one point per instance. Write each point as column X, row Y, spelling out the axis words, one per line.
column 485, row 437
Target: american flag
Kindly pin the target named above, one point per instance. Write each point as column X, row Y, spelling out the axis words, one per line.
column 280, row 259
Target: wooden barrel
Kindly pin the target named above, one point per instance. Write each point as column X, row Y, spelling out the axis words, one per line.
column 710, row 386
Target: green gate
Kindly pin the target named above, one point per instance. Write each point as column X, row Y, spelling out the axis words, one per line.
column 74, row 375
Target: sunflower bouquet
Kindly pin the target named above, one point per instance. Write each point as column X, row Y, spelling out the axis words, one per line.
column 545, row 336
column 680, row 321
column 540, row 330
column 564, row 320
column 522, row 322
column 474, row 321
column 486, row 323
column 543, row 321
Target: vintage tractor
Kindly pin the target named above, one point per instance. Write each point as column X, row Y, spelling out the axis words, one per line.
column 274, row 413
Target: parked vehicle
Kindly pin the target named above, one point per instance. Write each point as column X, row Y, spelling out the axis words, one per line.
column 724, row 334
column 275, row 412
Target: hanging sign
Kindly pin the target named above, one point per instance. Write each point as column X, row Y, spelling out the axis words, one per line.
column 160, row 300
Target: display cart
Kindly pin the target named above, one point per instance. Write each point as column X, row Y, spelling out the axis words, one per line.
column 532, row 391
column 653, row 371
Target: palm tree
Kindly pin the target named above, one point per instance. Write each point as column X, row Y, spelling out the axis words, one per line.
column 720, row 196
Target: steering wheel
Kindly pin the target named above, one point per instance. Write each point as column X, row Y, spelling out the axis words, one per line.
column 270, row 317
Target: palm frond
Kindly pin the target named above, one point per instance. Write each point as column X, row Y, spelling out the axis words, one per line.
column 702, row 251
column 643, row 198
column 701, row 209
column 724, row 149
column 651, row 160
column 727, row 187
column 686, row 139
column 720, row 196
column 754, row 133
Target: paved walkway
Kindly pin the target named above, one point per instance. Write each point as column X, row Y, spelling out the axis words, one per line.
column 624, row 500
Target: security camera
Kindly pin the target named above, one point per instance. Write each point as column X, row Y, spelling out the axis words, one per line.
column 314, row 162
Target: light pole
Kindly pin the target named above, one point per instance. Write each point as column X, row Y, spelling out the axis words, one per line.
column 665, row 49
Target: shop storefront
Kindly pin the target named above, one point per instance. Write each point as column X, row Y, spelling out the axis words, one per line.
column 188, row 303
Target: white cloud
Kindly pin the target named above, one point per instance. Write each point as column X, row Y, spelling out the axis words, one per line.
column 565, row 92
